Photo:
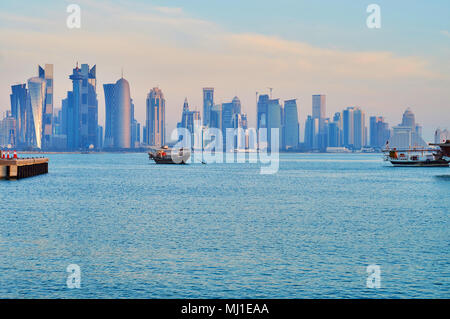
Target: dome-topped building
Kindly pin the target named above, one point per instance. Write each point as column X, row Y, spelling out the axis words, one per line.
column 409, row 119
column 118, row 114
column 408, row 133
column 236, row 105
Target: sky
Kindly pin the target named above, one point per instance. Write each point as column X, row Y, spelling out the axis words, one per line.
column 240, row 47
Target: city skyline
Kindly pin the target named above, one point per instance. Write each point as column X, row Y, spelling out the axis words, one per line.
column 194, row 48
column 75, row 125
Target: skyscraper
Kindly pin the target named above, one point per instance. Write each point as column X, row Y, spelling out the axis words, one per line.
column 156, row 117
column 18, row 99
column 261, row 120
column 122, row 117
column 231, row 118
column 319, row 106
column 269, row 112
column 348, row 122
column 333, row 134
column 118, row 114
column 8, row 130
column 311, row 133
column 46, row 74
column 109, row 113
column 135, row 128
column 354, row 128
column 216, row 116
column 408, row 119
column 189, row 119
column 36, row 105
column 337, row 119
column 379, row 132
column 23, row 104
column 274, row 121
column 291, row 126
column 208, row 103
column 359, row 126
column 319, row 112
column 407, row 133
column 227, row 119
column 82, row 109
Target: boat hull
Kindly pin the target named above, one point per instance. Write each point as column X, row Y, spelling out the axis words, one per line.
column 435, row 163
column 166, row 161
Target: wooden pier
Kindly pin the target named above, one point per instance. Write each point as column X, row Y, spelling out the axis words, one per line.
column 23, row 167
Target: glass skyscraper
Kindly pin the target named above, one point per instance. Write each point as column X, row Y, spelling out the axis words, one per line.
column 269, row 114
column 122, row 114
column 337, row 120
column 216, row 116
column 319, row 112
column 291, row 126
column 118, row 114
column 274, row 121
column 190, row 120
column 359, row 126
column 354, row 128
column 108, row 90
column 208, row 103
column 82, row 109
column 33, row 113
column 46, row 74
column 36, row 106
column 18, row 99
column 347, row 120
column 319, row 106
column 408, row 119
column 333, row 134
column 311, row 133
column 232, row 118
column 379, row 132
column 156, row 117
column 407, row 133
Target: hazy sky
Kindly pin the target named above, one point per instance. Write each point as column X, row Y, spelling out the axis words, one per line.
column 299, row 48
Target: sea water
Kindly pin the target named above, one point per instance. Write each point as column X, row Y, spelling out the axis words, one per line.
column 140, row 230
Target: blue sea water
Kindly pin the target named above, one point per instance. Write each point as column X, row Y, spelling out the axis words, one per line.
column 140, row 230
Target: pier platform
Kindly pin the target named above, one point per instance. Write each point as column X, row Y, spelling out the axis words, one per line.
column 23, row 167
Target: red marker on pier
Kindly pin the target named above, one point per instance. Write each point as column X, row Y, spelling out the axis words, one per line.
column 15, row 155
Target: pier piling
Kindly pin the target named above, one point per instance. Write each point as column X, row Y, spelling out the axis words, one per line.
column 15, row 168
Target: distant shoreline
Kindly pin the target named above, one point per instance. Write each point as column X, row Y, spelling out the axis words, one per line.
column 138, row 152
column 77, row 152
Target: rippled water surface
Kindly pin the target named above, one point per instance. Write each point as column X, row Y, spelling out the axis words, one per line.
column 140, row 230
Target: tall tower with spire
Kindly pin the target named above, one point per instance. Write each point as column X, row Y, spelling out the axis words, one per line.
column 189, row 119
column 82, row 109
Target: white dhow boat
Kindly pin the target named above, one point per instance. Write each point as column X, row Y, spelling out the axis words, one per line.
column 420, row 157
